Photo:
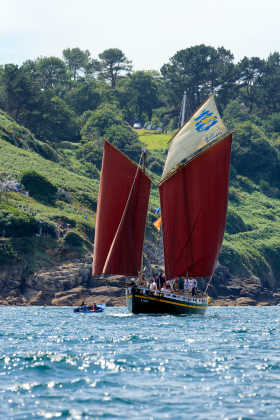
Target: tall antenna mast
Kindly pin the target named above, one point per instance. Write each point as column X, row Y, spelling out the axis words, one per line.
column 144, row 154
column 184, row 108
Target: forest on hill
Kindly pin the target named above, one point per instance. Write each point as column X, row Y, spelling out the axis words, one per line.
column 55, row 112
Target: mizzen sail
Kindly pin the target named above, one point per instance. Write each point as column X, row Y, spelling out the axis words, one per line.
column 204, row 126
column 194, row 210
column 121, row 215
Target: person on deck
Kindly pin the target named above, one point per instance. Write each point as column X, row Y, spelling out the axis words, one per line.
column 181, row 285
column 156, row 280
column 175, row 285
column 187, row 285
column 194, row 286
column 153, row 285
column 161, row 279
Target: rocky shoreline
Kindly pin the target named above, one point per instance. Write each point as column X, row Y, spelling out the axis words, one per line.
column 66, row 286
column 69, row 283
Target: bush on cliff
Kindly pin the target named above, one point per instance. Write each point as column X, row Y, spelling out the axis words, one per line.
column 253, row 155
column 73, row 238
column 85, row 199
column 38, row 185
column 15, row 222
column 235, row 223
column 7, row 253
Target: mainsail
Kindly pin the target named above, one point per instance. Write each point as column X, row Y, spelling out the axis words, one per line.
column 204, row 126
column 121, row 215
column 194, row 209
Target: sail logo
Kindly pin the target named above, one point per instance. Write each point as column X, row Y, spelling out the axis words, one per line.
column 204, row 121
column 214, row 135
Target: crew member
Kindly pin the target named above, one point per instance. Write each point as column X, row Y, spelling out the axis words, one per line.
column 181, row 285
column 194, row 286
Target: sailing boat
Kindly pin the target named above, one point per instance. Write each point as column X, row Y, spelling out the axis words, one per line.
column 193, row 200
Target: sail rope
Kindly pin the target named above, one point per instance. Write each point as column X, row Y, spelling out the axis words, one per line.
column 208, row 283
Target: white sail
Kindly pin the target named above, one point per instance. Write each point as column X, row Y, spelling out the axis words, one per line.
column 204, row 126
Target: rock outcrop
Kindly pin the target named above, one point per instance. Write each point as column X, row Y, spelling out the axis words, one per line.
column 70, row 283
column 66, row 285
column 227, row 290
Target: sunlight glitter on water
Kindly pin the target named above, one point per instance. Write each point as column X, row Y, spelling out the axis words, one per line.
column 55, row 364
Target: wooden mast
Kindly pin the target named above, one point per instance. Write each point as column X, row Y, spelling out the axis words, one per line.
column 144, row 170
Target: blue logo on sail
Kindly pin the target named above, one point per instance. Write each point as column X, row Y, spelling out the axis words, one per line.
column 204, row 121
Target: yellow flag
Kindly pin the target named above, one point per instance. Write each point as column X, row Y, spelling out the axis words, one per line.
column 157, row 223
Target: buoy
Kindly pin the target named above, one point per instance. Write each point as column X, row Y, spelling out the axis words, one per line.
column 209, row 300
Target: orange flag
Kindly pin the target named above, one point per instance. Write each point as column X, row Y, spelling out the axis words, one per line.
column 157, row 223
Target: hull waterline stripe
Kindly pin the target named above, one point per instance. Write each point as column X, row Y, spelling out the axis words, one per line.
column 166, row 301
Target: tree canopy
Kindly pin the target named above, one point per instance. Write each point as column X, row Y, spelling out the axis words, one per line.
column 79, row 98
column 112, row 63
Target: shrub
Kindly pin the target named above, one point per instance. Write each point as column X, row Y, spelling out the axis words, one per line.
column 46, row 225
column 230, row 258
column 253, row 154
column 90, row 153
column 62, row 218
column 104, row 117
column 232, row 173
column 234, row 195
column 124, row 138
column 235, row 223
column 7, row 253
column 16, row 222
column 87, row 230
column 92, row 170
column 155, row 167
column 265, row 187
column 38, row 185
column 243, row 259
column 245, row 183
column 269, row 215
column 85, row 199
column 73, row 238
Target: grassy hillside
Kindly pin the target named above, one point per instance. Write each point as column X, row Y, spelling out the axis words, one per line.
column 15, row 160
column 153, row 140
column 252, row 241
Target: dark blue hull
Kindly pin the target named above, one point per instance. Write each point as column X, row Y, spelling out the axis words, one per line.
column 141, row 301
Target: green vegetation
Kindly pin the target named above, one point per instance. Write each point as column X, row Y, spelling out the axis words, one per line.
column 16, row 160
column 38, row 186
column 73, row 239
column 153, row 140
column 15, row 222
column 55, row 111
column 252, row 239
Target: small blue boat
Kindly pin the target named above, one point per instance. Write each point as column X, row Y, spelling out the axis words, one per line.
column 88, row 309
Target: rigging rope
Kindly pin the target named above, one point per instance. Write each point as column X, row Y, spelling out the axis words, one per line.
column 208, row 283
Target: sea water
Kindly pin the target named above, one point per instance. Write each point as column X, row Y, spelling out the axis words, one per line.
column 55, row 364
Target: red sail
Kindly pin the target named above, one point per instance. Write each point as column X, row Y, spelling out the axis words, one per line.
column 194, row 210
column 121, row 215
